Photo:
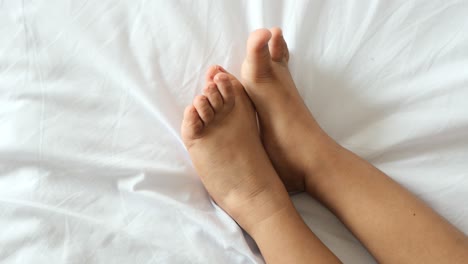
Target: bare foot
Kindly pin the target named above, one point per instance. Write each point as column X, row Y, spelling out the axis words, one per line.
column 288, row 129
column 220, row 132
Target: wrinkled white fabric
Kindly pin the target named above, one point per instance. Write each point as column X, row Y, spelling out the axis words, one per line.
column 92, row 167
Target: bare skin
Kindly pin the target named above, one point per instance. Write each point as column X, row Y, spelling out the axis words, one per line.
column 285, row 121
column 220, row 132
column 393, row 224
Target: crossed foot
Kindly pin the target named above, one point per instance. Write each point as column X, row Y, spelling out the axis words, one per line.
column 248, row 173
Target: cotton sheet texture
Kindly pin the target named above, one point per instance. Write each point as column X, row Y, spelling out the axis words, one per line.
column 92, row 167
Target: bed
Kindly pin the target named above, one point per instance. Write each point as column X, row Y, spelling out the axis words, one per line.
column 92, row 166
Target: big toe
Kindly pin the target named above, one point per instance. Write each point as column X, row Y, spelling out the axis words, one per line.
column 278, row 47
column 258, row 54
column 212, row 71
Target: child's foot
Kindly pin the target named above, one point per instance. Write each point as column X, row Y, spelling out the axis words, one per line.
column 288, row 129
column 221, row 135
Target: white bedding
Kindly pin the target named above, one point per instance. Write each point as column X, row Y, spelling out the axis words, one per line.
column 92, row 167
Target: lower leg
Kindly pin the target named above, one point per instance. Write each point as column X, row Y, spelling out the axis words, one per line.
column 392, row 223
column 221, row 135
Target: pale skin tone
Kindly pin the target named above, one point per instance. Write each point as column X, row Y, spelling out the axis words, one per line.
column 248, row 174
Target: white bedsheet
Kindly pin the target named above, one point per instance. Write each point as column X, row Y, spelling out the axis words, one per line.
column 92, row 167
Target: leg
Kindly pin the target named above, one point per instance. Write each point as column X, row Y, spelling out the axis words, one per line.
column 393, row 224
column 220, row 132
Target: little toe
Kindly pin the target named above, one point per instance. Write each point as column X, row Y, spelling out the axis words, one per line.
column 192, row 125
column 225, row 87
column 277, row 46
column 204, row 109
column 213, row 95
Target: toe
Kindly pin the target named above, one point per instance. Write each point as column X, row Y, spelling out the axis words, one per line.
column 258, row 54
column 225, row 87
column 192, row 125
column 212, row 93
column 212, row 71
column 204, row 109
column 278, row 47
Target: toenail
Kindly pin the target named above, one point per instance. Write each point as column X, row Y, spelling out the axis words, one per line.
column 221, row 77
column 220, row 68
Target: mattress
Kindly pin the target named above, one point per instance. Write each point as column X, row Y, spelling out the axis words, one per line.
column 92, row 166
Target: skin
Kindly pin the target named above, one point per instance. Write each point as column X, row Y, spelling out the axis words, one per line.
column 394, row 225
column 220, row 132
column 248, row 174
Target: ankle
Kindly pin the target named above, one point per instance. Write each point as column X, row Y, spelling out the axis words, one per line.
column 328, row 154
column 263, row 205
column 267, row 225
